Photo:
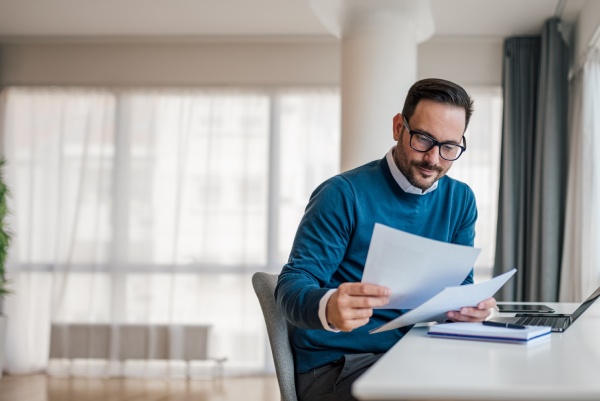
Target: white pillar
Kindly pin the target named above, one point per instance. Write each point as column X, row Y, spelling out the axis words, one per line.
column 379, row 41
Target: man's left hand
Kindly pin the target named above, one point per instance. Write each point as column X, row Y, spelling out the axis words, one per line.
column 471, row 314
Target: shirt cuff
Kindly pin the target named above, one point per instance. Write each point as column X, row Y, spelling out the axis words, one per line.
column 322, row 311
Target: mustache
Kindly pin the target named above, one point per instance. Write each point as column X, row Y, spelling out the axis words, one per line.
column 427, row 166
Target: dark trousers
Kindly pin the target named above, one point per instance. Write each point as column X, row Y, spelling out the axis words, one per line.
column 333, row 382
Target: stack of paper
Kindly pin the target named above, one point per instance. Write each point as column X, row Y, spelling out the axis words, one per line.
column 424, row 275
column 415, row 268
column 477, row 331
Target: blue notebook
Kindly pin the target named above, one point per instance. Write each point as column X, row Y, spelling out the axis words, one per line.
column 477, row 331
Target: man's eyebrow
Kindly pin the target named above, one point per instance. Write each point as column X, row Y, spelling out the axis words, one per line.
column 430, row 135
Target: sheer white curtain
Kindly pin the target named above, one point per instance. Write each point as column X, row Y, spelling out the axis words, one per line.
column 55, row 146
column 580, row 271
column 479, row 167
column 154, row 207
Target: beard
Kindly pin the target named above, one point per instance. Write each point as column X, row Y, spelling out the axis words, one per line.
column 409, row 170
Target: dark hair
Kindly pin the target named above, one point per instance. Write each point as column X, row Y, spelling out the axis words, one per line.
column 441, row 91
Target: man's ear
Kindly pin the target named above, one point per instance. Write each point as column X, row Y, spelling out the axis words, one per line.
column 398, row 123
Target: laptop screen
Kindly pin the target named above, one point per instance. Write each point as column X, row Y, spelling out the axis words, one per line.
column 586, row 304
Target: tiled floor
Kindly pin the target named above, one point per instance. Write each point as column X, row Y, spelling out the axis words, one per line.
column 43, row 388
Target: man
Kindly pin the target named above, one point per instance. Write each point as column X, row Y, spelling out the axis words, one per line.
column 319, row 289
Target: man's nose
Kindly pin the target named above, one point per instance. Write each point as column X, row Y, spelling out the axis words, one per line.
column 433, row 155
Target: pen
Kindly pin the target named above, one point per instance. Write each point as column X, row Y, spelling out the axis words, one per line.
column 507, row 325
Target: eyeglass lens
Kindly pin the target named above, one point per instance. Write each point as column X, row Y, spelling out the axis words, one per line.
column 423, row 143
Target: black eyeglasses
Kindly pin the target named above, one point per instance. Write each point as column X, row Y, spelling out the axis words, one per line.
column 423, row 143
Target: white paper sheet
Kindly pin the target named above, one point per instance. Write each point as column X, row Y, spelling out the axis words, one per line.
column 451, row 298
column 414, row 268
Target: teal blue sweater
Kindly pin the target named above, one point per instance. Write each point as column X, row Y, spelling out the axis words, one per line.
column 331, row 244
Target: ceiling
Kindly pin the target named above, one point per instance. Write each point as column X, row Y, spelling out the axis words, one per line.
column 252, row 18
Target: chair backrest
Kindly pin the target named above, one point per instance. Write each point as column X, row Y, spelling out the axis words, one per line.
column 278, row 331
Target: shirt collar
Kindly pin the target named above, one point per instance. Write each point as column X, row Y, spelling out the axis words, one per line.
column 401, row 179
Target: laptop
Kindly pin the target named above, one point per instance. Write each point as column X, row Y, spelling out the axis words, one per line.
column 558, row 322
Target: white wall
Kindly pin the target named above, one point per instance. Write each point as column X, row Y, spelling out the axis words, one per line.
column 466, row 61
column 314, row 62
column 275, row 62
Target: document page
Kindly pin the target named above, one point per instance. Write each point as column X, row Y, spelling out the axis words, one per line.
column 414, row 268
column 451, row 298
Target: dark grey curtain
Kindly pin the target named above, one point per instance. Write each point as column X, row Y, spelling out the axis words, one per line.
column 533, row 173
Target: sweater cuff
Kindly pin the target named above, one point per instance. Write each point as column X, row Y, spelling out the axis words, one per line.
column 322, row 311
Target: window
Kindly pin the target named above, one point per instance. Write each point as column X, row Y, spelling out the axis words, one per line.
column 156, row 205
column 479, row 167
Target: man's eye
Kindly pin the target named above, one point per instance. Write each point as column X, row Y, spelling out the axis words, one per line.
column 424, row 139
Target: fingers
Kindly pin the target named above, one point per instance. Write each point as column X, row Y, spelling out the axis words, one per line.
column 351, row 319
column 351, row 305
column 362, row 295
column 468, row 315
column 365, row 289
column 473, row 314
column 487, row 304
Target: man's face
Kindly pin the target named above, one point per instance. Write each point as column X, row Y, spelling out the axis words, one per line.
column 440, row 121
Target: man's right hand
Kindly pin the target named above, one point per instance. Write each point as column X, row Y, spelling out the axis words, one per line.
column 351, row 305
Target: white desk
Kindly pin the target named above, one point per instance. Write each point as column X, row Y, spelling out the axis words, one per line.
column 565, row 367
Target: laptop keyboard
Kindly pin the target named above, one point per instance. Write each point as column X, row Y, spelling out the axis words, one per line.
column 554, row 322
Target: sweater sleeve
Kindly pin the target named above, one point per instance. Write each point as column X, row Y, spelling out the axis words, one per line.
column 319, row 247
column 465, row 234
